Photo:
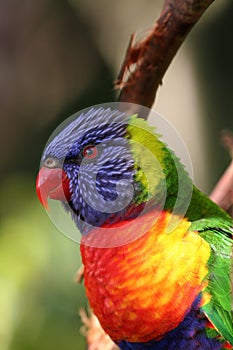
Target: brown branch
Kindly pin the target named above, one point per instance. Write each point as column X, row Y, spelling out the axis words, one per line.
column 96, row 338
column 153, row 55
column 80, row 274
column 222, row 194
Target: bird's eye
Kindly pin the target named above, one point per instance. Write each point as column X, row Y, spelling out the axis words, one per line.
column 90, row 152
column 51, row 162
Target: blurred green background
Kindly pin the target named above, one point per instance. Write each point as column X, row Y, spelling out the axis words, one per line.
column 57, row 57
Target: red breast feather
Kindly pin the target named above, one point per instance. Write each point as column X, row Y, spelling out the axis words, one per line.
column 142, row 290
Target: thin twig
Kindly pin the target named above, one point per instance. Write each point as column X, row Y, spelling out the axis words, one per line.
column 79, row 274
column 96, row 338
column 153, row 55
column 222, row 193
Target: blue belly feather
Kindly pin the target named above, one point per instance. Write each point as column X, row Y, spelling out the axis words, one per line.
column 189, row 335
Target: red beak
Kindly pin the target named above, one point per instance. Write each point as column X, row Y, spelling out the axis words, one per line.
column 52, row 183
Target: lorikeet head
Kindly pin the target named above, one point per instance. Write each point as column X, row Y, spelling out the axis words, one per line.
column 90, row 167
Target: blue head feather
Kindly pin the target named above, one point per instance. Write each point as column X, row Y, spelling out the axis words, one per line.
column 103, row 187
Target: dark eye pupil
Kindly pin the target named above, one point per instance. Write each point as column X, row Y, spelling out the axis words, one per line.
column 90, row 152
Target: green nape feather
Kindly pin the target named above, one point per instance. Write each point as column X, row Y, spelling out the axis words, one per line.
column 159, row 169
column 148, row 154
column 156, row 166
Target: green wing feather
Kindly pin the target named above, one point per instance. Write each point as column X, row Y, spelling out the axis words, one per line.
column 218, row 233
column 213, row 223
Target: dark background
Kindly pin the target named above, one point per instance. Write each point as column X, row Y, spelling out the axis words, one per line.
column 57, row 57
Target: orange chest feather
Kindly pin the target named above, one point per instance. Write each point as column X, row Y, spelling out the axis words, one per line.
column 143, row 289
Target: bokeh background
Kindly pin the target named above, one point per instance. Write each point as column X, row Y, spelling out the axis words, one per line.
column 57, row 57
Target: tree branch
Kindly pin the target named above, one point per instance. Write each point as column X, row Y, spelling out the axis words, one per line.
column 96, row 338
column 152, row 56
column 222, row 194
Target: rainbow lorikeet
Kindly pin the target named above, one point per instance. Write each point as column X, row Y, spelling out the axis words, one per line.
column 156, row 278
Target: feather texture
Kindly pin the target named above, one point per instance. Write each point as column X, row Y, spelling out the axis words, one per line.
column 150, row 287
